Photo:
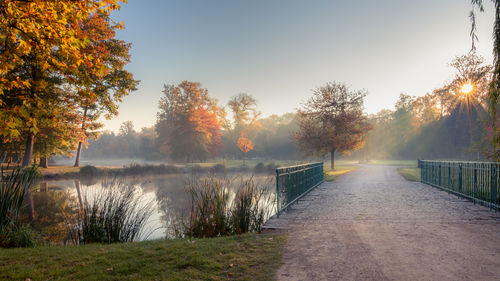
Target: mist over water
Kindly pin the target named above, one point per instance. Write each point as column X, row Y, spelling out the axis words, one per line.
column 165, row 193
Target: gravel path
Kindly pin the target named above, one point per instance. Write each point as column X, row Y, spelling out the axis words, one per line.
column 372, row 224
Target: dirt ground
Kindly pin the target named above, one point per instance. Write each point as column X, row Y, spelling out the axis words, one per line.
column 372, row 224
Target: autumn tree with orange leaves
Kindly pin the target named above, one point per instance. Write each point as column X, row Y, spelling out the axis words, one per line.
column 189, row 122
column 245, row 145
column 40, row 52
column 100, row 92
column 332, row 121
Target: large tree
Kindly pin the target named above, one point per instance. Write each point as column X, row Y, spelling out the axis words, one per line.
column 188, row 123
column 40, row 48
column 245, row 120
column 100, row 92
column 332, row 120
column 245, row 113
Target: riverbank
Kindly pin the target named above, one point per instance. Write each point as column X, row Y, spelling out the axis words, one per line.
column 245, row 257
column 70, row 172
column 218, row 167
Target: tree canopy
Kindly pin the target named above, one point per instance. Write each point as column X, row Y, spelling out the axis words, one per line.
column 51, row 54
column 188, row 123
column 332, row 120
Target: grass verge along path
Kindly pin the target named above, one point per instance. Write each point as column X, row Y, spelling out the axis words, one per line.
column 245, row 257
column 339, row 170
column 410, row 174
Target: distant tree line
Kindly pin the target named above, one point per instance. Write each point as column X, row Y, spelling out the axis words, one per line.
column 452, row 122
column 272, row 140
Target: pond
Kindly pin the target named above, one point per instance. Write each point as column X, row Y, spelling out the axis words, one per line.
column 54, row 202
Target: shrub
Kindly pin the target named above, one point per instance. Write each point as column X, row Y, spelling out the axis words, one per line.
column 114, row 213
column 196, row 169
column 136, row 169
column 259, row 168
column 89, row 171
column 14, row 236
column 219, row 168
column 271, row 168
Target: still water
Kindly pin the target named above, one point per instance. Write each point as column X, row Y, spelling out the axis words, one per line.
column 55, row 201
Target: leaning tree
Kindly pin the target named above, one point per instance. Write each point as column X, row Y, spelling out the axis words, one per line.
column 332, row 120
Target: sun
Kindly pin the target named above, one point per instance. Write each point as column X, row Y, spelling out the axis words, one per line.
column 466, row 88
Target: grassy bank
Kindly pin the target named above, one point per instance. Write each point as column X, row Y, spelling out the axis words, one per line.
column 70, row 172
column 410, row 174
column 340, row 169
column 246, row 257
column 411, row 163
column 249, row 163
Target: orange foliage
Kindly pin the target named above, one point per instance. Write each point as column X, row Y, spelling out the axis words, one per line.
column 207, row 122
column 244, row 143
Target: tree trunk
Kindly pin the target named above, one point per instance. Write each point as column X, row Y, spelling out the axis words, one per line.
column 28, row 153
column 78, row 151
column 332, row 155
column 44, row 162
column 44, row 186
column 31, row 206
column 78, row 191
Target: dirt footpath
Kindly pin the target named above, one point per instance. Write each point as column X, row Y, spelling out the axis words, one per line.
column 372, row 224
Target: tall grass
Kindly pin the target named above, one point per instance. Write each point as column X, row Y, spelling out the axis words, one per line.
column 114, row 213
column 214, row 214
column 209, row 208
column 248, row 212
column 14, row 185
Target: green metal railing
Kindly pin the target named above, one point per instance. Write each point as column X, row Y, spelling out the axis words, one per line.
column 477, row 181
column 294, row 182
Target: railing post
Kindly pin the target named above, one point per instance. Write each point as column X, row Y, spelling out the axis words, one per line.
column 460, row 177
column 421, row 171
column 277, row 194
column 449, row 176
column 475, row 183
column 439, row 176
column 289, row 186
column 493, row 185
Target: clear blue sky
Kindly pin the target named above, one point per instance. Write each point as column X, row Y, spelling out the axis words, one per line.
column 279, row 50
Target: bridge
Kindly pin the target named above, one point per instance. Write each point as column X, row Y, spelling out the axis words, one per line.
column 372, row 224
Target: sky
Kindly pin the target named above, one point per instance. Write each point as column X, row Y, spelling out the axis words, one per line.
column 279, row 51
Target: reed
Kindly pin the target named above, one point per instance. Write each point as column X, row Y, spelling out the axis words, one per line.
column 213, row 214
column 114, row 213
column 14, row 185
column 248, row 210
column 209, row 208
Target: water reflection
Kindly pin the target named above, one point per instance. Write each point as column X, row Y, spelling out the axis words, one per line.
column 56, row 202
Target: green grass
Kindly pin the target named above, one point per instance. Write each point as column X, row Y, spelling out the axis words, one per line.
column 246, row 257
column 249, row 163
column 411, row 163
column 339, row 170
column 410, row 174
